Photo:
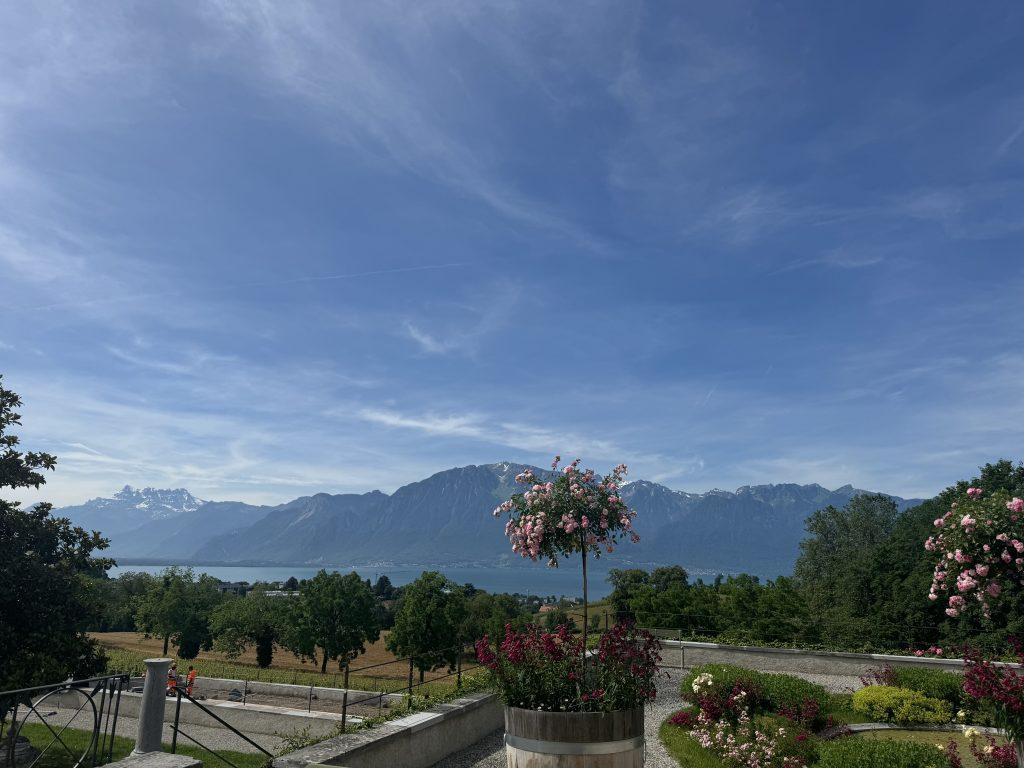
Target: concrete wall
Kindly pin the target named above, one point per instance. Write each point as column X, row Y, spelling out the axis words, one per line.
column 415, row 741
column 249, row 719
column 219, row 687
column 793, row 660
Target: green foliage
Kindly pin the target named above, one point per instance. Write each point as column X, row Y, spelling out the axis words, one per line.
column 934, row 683
column 767, row 692
column 334, row 613
column 685, row 750
column 487, row 614
column 47, row 575
column 852, row 752
column 178, row 606
column 119, row 599
column 78, row 741
column 887, row 704
column 428, row 622
column 255, row 619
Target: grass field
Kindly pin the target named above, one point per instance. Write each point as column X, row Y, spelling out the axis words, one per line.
column 128, row 650
column 77, row 742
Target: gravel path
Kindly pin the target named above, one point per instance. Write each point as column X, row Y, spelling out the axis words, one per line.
column 489, row 752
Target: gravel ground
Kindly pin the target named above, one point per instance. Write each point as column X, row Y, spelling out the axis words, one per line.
column 214, row 738
column 490, row 751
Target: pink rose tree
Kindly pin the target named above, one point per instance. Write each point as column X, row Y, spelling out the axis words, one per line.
column 980, row 544
column 576, row 511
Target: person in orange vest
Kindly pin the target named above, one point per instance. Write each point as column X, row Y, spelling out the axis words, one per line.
column 190, row 679
column 172, row 679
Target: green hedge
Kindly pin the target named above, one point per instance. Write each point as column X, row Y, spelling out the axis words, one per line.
column 852, row 752
column 886, row 704
column 767, row 692
column 935, row 683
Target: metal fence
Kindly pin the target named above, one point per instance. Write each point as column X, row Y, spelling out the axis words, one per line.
column 90, row 705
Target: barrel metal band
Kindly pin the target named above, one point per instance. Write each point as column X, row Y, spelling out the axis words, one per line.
column 574, row 747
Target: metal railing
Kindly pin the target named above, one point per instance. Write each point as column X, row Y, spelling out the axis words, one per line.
column 100, row 701
column 176, row 728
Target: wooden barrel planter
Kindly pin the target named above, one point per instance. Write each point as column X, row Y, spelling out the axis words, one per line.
column 574, row 739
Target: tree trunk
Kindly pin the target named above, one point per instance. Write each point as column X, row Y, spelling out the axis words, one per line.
column 167, row 640
column 584, row 678
column 323, row 664
column 421, row 675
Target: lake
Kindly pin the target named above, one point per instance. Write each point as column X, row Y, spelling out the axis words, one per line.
column 565, row 581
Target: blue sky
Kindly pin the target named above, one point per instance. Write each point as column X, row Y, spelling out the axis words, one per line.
column 264, row 250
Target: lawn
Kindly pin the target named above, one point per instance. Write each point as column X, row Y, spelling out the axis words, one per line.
column 77, row 741
column 685, row 750
column 932, row 737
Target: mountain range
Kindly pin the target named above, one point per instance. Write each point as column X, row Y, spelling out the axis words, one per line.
column 445, row 520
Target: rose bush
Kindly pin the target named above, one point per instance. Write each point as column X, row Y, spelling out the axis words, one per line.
column 536, row 669
column 980, row 543
column 576, row 511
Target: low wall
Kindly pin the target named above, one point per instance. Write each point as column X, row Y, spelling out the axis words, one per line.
column 220, row 687
column 689, row 654
column 249, row 719
column 414, row 741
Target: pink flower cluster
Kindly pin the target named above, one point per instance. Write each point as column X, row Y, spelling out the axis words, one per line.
column 980, row 543
column 744, row 743
column 572, row 511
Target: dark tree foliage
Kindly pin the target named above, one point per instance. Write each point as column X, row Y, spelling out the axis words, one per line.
column 47, row 570
column 177, row 607
column 428, row 622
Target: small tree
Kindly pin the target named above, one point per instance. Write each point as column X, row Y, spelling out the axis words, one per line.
column 428, row 621
column 335, row 614
column 576, row 512
column 46, row 565
column 255, row 619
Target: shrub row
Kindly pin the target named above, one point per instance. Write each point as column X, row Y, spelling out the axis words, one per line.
column 767, row 692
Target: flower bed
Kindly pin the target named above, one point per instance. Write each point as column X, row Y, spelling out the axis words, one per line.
column 741, row 718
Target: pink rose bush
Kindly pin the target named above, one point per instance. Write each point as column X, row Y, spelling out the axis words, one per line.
column 575, row 511
column 980, row 544
column 534, row 669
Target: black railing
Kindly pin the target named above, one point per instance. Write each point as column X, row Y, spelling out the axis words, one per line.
column 176, row 728
column 93, row 703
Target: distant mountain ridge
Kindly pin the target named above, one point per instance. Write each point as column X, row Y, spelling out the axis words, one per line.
column 445, row 520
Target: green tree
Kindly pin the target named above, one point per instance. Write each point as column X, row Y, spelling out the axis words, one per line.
column 335, row 614
column 178, row 607
column 428, row 621
column 254, row 620
column 119, row 599
column 487, row 614
column 626, row 584
column 835, row 565
column 47, row 575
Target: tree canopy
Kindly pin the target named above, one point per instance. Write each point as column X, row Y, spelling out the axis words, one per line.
column 333, row 619
column 428, row 621
column 254, row 620
column 46, row 595
column 178, row 607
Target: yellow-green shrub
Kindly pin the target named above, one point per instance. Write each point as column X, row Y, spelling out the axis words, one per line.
column 885, row 704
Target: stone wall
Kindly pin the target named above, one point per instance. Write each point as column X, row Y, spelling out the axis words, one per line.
column 415, row 741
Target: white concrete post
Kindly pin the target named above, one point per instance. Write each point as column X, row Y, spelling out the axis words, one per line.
column 151, row 716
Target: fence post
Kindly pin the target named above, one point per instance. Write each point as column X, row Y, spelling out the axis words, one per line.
column 151, row 715
column 458, row 671
column 344, row 700
column 410, row 680
column 245, row 692
column 177, row 718
column 309, row 704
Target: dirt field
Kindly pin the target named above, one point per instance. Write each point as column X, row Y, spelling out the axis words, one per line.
column 375, row 654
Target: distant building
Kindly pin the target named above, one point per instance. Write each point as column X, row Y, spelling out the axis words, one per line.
column 240, row 588
column 548, row 608
column 281, row 593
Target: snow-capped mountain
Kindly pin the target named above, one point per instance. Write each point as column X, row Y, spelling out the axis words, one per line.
column 131, row 507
